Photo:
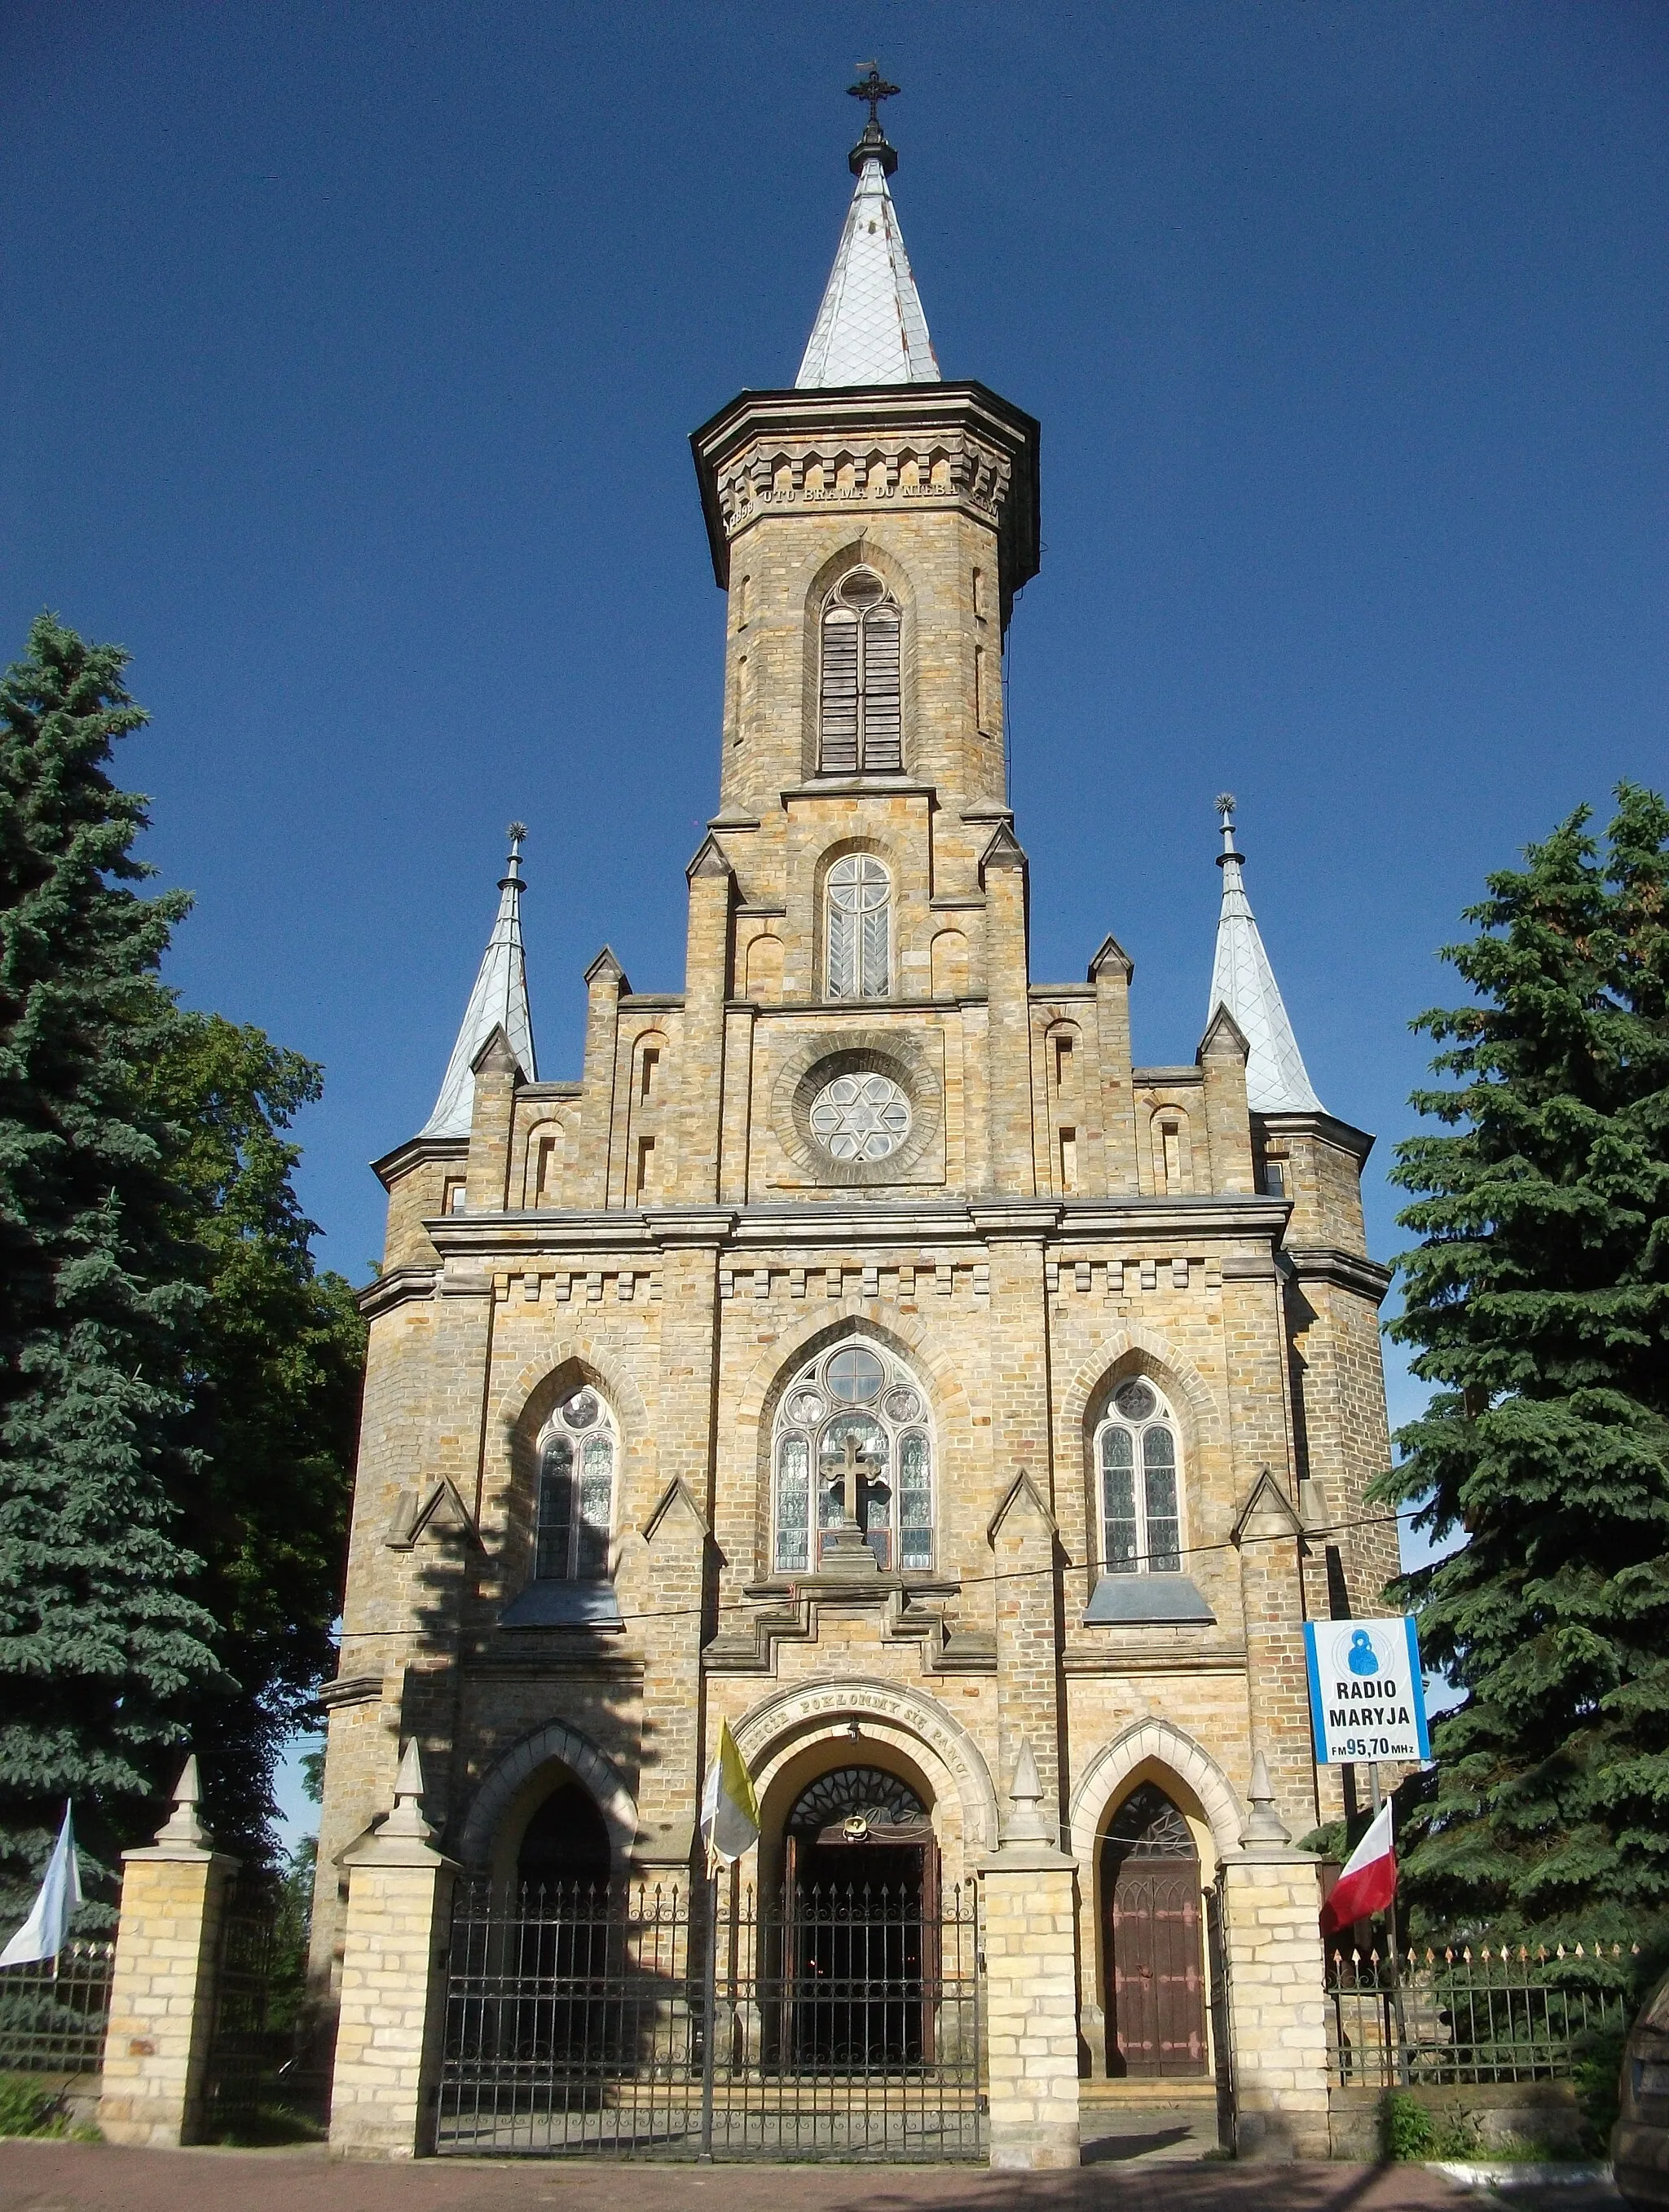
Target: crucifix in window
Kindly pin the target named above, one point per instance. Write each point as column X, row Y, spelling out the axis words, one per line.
column 850, row 1478
column 846, row 1550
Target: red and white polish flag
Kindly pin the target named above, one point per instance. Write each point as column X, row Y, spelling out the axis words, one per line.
column 1369, row 1880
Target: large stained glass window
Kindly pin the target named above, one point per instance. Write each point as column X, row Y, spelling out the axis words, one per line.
column 860, row 1394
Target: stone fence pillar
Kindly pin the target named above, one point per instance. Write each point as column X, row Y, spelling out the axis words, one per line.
column 390, row 2014
column 1028, row 1929
column 162, row 1990
column 1278, row 2005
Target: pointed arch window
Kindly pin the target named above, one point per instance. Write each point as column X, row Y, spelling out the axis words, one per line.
column 857, row 927
column 861, row 720
column 578, row 1454
column 1139, row 1475
column 856, row 1391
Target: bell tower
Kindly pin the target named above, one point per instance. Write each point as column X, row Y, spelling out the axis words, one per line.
column 871, row 527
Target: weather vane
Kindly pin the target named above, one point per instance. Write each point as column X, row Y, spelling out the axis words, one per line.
column 874, row 88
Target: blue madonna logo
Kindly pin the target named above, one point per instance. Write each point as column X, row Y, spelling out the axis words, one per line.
column 1362, row 1658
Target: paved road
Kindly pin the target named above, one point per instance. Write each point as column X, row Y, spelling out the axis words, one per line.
column 52, row 2176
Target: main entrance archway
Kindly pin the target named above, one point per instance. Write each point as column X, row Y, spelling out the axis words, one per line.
column 1150, row 1903
column 861, row 1886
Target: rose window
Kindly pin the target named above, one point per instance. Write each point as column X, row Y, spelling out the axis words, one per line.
column 860, row 1117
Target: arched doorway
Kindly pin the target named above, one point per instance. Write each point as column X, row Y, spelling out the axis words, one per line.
column 1150, row 1904
column 860, row 1922
column 565, row 1845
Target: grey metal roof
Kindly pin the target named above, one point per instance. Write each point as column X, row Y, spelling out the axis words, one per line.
column 1243, row 981
column 498, row 1001
column 870, row 328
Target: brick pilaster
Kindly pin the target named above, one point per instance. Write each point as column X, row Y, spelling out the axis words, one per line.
column 1111, row 971
column 1023, row 1548
column 1278, row 2017
column 1028, row 1930
column 390, row 2015
column 701, row 1059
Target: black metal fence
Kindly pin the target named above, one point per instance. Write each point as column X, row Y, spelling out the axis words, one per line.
column 1478, row 2013
column 257, row 2088
column 845, row 2024
column 53, row 2015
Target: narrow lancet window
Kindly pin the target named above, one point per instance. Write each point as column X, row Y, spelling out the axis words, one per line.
column 1139, row 1472
column 856, row 931
column 861, row 724
column 576, row 1491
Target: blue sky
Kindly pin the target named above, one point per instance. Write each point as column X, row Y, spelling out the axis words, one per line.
column 350, row 353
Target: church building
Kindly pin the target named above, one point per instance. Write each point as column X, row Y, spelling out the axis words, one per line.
column 856, row 1347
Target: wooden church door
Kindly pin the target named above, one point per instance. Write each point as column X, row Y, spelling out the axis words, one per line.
column 1155, row 2010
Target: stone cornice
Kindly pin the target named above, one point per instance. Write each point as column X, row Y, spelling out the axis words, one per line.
column 394, row 1287
column 510, row 1239
column 1168, row 1078
column 414, row 1153
column 990, row 445
column 1327, row 1126
column 1349, row 1271
column 860, row 786
column 350, row 1690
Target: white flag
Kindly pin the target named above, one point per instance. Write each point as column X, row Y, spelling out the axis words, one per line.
column 44, row 1934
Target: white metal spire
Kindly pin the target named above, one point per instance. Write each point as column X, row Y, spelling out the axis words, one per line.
column 870, row 328
column 1243, row 981
column 498, row 1001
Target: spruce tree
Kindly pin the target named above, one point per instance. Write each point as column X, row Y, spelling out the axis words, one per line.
column 1538, row 1301
column 102, row 1638
column 276, row 1353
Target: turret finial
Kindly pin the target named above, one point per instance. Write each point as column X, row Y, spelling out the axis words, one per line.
column 873, row 145
column 870, row 328
column 1243, row 981
column 498, row 1001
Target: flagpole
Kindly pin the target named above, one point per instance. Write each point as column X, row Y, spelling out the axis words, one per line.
column 709, row 2007
column 1396, row 1963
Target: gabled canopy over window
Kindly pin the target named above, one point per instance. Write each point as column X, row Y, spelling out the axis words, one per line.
column 1139, row 1475
column 856, row 929
column 862, row 729
column 576, row 1491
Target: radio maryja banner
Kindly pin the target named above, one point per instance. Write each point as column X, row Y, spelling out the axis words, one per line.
column 1366, row 1690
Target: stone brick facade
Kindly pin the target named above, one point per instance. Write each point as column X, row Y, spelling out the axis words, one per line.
column 670, row 1231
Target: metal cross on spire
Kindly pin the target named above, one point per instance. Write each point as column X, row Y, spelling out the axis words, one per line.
column 874, row 88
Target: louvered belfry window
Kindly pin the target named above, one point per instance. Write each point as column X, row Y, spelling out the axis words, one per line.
column 862, row 728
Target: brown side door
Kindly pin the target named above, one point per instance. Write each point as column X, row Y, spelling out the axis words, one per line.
column 1158, row 1991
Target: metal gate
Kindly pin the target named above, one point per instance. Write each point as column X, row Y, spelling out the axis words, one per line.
column 845, row 2025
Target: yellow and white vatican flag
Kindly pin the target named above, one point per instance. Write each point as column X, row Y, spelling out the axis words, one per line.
column 730, row 1811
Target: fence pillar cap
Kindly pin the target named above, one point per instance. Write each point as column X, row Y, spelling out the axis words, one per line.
column 405, row 1837
column 183, row 1835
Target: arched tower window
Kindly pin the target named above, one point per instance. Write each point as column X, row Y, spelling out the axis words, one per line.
column 861, row 730
column 1138, row 1469
column 856, row 928
column 576, row 1456
column 859, row 1392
